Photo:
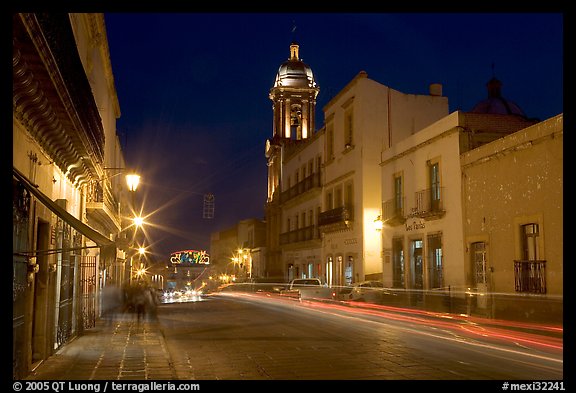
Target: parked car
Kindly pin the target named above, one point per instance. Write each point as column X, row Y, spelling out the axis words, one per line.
column 307, row 288
column 364, row 291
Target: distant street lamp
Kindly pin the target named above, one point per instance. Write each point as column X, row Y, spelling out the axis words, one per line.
column 138, row 221
column 141, row 271
column 244, row 261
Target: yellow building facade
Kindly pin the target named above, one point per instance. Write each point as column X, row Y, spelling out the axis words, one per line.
column 513, row 208
column 66, row 205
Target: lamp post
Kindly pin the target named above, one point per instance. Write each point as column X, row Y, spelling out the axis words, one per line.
column 244, row 261
column 132, row 181
column 141, row 270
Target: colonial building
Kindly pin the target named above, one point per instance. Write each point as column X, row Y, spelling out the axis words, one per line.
column 512, row 196
column 422, row 206
column 301, row 204
column 324, row 187
column 363, row 120
column 472, row 213
column 66, row 204
column 293, row 98
column 238, row 251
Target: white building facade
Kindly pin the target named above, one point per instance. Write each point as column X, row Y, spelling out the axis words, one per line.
column 446, row 213
column 324, row 188
column 363, row 120
column 301, row 204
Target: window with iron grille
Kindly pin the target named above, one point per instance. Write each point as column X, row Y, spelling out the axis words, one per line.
column 434, row 185
column 530, row 271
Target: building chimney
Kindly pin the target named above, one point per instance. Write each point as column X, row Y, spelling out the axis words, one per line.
column 436, row 89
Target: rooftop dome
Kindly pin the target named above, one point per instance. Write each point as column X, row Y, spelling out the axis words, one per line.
column 294, row 72
column 495, row 103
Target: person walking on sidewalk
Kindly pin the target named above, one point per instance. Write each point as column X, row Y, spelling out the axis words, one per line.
column 111, row 302
column 140, row 302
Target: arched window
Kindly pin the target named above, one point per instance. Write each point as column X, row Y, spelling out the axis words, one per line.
column 296, row 121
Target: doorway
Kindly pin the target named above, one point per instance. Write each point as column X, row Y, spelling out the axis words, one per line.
column 417, row 267
column 479, row 272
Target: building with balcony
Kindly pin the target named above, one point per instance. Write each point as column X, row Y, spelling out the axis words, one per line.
column 300, row 208
column 293, row 97
column 362, row 121
column 324, row 187
column 512, row 199
column 472, row 209
column 422, row 206
column 66, row 208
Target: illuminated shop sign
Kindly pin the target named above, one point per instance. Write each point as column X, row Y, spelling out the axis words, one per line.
column 189, row 258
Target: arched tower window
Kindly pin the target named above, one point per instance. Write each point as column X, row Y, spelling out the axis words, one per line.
column 296, row 120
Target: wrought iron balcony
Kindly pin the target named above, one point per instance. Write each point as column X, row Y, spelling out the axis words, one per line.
column 53, row 96
column 308, row 183
column 335, row 219
column 393, row 211
column 530, row 276
column 300, row 235
column 101, row 205
column 429, row 204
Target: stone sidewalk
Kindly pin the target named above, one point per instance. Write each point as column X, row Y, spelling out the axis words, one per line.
column 121, row 350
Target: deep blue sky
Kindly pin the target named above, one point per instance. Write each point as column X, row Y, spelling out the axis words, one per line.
column 193, row 91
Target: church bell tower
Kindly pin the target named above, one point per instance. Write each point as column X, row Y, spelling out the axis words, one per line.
column 294, row 105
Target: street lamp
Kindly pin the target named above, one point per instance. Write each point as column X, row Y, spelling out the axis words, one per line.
column 138, row 221
column 141, row 271
column 244, row 261
column 132, row 180
column 104, row 186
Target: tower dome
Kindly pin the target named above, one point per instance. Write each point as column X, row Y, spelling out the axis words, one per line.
column 495, row 103
column 294, row 72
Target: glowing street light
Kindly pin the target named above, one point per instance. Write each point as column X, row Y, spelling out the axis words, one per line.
column 138, row 221
column 132, row 180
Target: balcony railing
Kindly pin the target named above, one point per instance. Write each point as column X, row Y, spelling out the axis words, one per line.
column 429, row 204
column 335, row 219
column 301, row 187
column 101, row 204
column 393, row 211
column 530, row 276
column 300, row 235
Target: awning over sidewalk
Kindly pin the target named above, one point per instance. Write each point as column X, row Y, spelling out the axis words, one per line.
column 107, row 245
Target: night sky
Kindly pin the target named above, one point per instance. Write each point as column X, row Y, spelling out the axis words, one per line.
column 193, row 92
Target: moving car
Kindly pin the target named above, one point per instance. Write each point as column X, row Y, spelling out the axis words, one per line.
column 365, row 291
column 305, row 283
column 303, row 288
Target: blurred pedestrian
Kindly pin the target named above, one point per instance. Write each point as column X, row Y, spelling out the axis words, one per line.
column 140, row 302
column 111, row 302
